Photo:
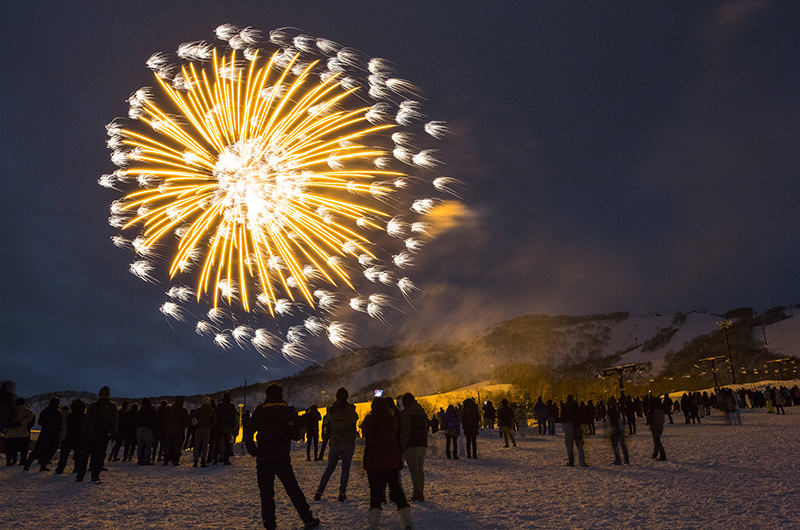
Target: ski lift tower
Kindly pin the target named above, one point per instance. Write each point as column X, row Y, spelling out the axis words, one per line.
column 619, row 370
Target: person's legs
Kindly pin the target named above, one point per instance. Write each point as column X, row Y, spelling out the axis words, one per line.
column 377, row 479
column 285, row 474
column 396, row 492
column 415, row 458
column 265, row 473
column 333, row 458
column 347, row 458
column 568, row 434
column 581, row 455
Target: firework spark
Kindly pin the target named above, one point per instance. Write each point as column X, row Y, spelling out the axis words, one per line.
column 267, row 174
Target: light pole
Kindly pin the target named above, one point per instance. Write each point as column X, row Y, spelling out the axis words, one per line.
column 724, row 325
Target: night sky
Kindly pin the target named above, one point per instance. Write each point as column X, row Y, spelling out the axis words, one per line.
column 618, row 156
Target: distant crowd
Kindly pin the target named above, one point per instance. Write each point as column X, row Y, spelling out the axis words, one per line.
column 396, row 434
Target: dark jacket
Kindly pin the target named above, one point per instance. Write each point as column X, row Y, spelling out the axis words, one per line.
column 102, row 418
column 505, row 416
column 206, row 417
column 450, row 424
column 471, row 418
column 276, row 425
column 414, row 426
column 147, row 418
column 381, row 450
column 226, row 416
column 311, row 420
column 341, row 418
column 51, row 422
column 176, row 419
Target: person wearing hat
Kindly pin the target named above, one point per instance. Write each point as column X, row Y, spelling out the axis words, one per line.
column 99, row 426
column 205, row 419
column 268, row 436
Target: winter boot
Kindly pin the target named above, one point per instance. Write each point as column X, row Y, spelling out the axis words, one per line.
column 374, row 518
column 405, row 518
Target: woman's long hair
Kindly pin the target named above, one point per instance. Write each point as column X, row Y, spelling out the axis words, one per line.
column 381, row 414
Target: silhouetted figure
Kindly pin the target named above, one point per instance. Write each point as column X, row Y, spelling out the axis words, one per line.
column 325, row 434
column 158, row 431
column 274, row 425
column 176, row 419
column 341, row 418
column 552, row 416
column 540, row 415
column 18, row 433
column 123, row 415
column 73, row 441
column 470, row 420
column 99, row 427
column 130, row 433
column 452, row 428
column 223, row 431
column 382, row 461
column 505, row 419
column 206, row 419
column 573, row 436
column 656, row 422
column 51, row 423
column 311, row 421
column 414, row 440
column 489, row 415
column 617, row 432
column 7, row 404
column 146, row 423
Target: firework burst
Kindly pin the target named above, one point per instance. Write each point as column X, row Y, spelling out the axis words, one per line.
column 277, row 178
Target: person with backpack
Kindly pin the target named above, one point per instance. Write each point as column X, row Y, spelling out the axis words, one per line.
column 268, row 436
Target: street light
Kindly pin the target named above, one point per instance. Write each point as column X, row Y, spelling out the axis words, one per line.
column 724, row 325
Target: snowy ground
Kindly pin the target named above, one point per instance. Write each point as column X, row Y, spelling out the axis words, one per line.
column 717, row 476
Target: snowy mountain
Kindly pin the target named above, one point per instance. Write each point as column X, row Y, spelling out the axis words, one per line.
column 536, row 352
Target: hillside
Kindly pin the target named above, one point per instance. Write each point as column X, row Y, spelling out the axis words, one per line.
column 543, row 354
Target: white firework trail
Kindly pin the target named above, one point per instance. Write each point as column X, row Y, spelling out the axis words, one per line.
column 264, row 218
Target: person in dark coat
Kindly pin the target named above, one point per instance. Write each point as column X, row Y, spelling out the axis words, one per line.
column 573, row 436
column 505, row 419
column 540, row 415
column 51, row 422
column 176, row 419
column 73, row 441
column 656, row 421
column 452, row 429
column 414, row 440
column 223, row 430
column 341, row 418
column 99, row 427
column 552, row 416
column 617, row 433
column 274, row 425
column 471, row 421
column 311, row 421
column 489, row 415
column 130, row 433
column 204, row 420
column 382, row 461
column 123, row 416
column 146, row 424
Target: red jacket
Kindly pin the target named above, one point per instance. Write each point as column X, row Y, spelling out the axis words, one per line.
column 381, row 450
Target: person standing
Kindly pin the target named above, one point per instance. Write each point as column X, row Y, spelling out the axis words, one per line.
column 470, row 420
column 51, row 423
column 489, row 415
column 505, row 419
column 522, row 420
column 382, row 461
column 573, row 435
column 73, row 440
column 540, row 415
column 311, row 421
column 341, row 418
column 223, row 430
column 99, row 427
column 452, row 429
column 274, row 425
column 123, row 416
column 617, row 433
column 656, row 421
column 206, row 418
column 18, row 433
column 414, row 439
column 130, row 433
column 176, row 419
column 146, row 424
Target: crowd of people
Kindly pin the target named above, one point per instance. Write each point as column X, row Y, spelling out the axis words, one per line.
column 395, row 433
